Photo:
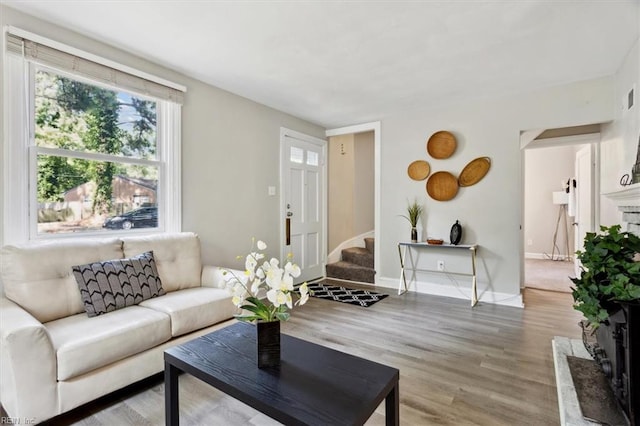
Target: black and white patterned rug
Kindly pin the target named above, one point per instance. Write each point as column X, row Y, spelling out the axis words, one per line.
column 345, row 295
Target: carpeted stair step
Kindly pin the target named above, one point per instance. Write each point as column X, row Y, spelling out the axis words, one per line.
column 359, row 256
column 349, row 271
column 370, row 245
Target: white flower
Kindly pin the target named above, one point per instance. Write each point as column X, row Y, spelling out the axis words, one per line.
column 255, row 286
column 304, row 294
column 277, row 281
column 279, row 298
column 239, row 294
column 292, row 269
column 286, row 283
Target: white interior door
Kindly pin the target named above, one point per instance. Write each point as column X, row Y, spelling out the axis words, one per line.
column 584, row 198
column 304, row 198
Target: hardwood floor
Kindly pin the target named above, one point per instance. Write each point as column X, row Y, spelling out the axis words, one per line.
column 491, row 365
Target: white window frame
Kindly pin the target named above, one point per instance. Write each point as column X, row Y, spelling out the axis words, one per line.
column 19, row 162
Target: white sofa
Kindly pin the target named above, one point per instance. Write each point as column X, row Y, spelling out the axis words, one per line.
column 54, row 357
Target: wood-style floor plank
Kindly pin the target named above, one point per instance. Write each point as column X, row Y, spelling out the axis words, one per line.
column 491, row 365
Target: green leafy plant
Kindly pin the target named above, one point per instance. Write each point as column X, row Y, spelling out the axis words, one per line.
column 414, row 211
column 609, row 273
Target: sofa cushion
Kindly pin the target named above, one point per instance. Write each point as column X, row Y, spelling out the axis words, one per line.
column 115, row 284
column 83, row 344
column 193, row 308
column 38, row 276
column 177, row 257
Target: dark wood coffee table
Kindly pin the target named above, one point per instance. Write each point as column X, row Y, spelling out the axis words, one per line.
column 314, row 385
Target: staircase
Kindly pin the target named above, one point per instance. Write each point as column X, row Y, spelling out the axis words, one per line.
column 356, row 264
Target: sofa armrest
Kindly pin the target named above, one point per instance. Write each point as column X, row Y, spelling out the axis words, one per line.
column 28, row 385
column 213, row 276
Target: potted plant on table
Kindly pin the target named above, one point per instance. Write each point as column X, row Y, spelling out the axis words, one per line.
column 414, row 211
column 265, row 292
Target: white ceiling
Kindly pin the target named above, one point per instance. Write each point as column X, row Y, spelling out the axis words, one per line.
column 346, row 62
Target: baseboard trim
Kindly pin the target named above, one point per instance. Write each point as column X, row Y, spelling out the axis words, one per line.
column 496, row 298
column 544, row 256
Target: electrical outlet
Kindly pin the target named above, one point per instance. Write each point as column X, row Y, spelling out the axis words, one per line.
column 440, row 265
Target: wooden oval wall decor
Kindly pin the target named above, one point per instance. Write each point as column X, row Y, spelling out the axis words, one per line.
column 419, row 170
column 442, row 186
column 441, row 145
column 474, row 171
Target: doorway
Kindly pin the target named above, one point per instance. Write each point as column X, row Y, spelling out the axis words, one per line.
column 559, row 194
column 303, row 203
column 371, row 132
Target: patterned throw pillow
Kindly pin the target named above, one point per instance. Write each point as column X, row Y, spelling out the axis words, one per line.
column 115, row 284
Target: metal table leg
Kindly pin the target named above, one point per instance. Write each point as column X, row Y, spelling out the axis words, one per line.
column 402, row 252
column 474, row 283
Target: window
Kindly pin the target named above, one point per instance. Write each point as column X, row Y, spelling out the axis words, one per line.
column 99, row 147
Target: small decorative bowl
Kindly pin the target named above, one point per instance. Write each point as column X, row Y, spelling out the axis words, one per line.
column 435, row 242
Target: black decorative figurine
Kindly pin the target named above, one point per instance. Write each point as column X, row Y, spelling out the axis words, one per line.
column 456, row 233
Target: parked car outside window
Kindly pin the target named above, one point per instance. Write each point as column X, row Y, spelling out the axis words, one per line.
column 145, row 217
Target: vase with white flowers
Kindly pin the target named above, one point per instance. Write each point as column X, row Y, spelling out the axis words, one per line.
column 265, row 293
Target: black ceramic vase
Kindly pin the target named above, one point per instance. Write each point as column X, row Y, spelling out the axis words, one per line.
column 268, row 342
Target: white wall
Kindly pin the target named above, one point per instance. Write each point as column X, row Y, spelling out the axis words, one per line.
column 230, row 152
column 351, row 187
column 363, row 190
column 545, row 171
column 340, row 194
column 620, row 139
column 490, row 211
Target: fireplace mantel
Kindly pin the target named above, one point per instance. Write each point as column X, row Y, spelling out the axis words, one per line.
column 626, row 197
column 628, row 202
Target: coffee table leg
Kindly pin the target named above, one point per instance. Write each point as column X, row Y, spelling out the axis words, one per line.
column 392, row 407
column 171, row 406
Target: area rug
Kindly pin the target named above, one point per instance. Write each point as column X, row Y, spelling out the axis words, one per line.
column 595, row 397
column 353, row 296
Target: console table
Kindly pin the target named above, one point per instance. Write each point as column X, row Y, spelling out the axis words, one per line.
column 314, row 385
column 404, row 247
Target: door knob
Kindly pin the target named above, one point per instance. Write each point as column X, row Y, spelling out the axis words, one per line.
column 289, row 214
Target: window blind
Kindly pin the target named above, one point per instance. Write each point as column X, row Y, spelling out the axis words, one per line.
column 64, row 61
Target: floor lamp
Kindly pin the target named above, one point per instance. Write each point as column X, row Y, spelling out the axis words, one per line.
column 561, row 199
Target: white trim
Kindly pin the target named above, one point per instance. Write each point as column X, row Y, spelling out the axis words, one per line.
column 94, row 58
column 434, row 289
column 95, row 156
column 377, row 140
column 591, row 139
column 171, row 149
column 626, row 197
column 528, row 136
column 15, row 227
column 285, row 132
column 357, row 128
column 544, row 256
column 586, row 138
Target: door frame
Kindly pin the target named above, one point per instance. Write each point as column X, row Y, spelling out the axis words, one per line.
column 323, row 143
column 361, row 128
column 594, row 207
column 526, row 138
